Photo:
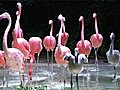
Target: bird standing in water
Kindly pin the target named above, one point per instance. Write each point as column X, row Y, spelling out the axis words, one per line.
column 113, row 56
column 75, row 64
column 96, row 39
column 13, row 56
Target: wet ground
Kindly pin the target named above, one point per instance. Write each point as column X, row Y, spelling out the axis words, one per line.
column 89, row 79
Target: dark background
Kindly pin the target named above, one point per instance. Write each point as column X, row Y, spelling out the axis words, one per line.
column 36, row 14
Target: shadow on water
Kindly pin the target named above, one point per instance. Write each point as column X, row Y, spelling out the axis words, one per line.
column 101, row 80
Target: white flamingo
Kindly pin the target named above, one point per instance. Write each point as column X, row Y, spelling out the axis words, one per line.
column 113, row 56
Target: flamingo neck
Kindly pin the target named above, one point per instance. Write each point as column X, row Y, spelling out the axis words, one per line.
column 82, row 31
column 15, row 39
column 16, row 29
column 111, row 46
column 18, row 16
column 59, row 38
column 5, row 47
column 17, row 24
column 63, row 25
column 51, row 31
column 96, row 27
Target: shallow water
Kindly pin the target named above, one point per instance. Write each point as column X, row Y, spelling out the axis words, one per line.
column 89, row 79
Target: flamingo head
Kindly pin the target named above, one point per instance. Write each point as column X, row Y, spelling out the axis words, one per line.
column 112, row 36
column 19, row 4
column 60, row 17
column 94, row 15
column 81, row 18
column 5, row 16
column 19, row 8
column 50, row 21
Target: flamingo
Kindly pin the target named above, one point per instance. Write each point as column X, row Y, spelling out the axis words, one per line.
column 75, row 64
column 113, row 56
column 65, row 35
column 49, row 43
column 96, row 39
column 84, row 46
column 13, row 56
column 18, row 31
column 19, row 42
column 61, row 50
column 35, row 47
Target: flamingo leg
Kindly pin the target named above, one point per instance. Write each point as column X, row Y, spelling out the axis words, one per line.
column 48, row 62
column 21, row 78
column 52, row 66
column 63, row 74
column 5, row 78
column 96, row 58
column 114, row 72
column 37, row 69
column 31, row 71
column 77, row 81
column 71, row 83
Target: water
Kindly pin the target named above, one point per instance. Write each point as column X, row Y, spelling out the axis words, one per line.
column 101, row 80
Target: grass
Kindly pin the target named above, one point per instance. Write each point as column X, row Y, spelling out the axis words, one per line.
column 20, row 87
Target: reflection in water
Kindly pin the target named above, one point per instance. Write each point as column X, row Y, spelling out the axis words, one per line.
column 100, row 80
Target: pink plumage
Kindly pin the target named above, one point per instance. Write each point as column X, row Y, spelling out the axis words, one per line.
column 84, row 46
column 61, row 50
column 49, row 42
column 96, row 39
column 13, row 56
column 19, row 42
column 2, row 60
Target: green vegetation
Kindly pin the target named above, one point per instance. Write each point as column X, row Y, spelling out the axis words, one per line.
column 20, row 87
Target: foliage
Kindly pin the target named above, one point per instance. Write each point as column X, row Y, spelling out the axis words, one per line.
column 20, row 87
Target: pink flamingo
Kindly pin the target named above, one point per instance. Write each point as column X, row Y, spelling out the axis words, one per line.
column 18, row 31
column 84, row 46
column 19, row 42
column 60, row 50
column 35, row 47
column 65, row 35
column 49, row 43
column 14, row 57
column 96, row 39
